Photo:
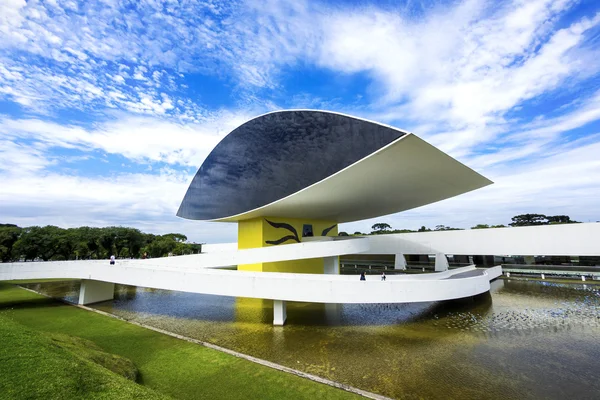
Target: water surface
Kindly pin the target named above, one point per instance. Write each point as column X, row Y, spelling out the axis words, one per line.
column 526, row 340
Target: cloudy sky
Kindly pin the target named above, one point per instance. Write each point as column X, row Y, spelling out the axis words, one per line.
column 107, row 108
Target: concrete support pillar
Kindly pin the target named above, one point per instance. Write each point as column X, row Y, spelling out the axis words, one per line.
column 95, row 291
column 332, row 312
column 331, row 265
column 441, row 262
column 400, row 262
column 279, row 312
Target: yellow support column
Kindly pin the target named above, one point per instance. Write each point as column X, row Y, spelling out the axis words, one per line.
column 278, row 231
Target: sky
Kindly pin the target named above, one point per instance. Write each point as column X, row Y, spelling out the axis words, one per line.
column 108, row 107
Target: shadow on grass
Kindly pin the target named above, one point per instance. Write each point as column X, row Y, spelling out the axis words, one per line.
column 31, row 303
column 22, row 299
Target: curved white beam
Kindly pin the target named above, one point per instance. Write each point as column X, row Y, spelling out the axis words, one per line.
column 231, row 256
column 266, row 285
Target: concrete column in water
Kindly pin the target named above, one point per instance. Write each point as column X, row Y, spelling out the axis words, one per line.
column 441, row 262
column 95, row 291
column 279, row 312
column 400, row 262
column 331, row 265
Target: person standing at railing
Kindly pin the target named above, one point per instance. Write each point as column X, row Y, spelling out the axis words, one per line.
column 383, row 277
column 362, row 276
column 112, row 260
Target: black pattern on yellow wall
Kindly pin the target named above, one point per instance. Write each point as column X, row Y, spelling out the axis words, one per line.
column 327, row 230
column 285, row 238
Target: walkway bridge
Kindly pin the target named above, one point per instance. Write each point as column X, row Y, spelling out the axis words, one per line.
column 204, row 273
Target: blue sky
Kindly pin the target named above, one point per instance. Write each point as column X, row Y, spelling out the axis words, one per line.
column 108, row 108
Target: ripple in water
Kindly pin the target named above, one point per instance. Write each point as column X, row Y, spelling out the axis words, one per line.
column 528, row 339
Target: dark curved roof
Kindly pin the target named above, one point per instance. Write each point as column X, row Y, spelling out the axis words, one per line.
column 278, row 154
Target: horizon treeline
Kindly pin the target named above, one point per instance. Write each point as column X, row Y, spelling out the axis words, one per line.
column 52, row 243
column 382, row 228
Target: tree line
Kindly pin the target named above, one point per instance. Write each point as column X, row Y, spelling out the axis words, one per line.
column 51, row 243
column 382, row 228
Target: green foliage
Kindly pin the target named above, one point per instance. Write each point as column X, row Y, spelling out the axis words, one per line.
column 343, row 234
column 518, row 220
column 380, row 227
column 54, row 243
column 560, row 219
column 528, row 220
column 384, row 229
column 480, row 226
column 540, row 219
column 446, row 228
column 161, row 247
column 486, row 226
column 8, row 237
column 177, row 237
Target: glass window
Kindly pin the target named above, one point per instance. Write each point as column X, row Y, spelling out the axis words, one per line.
column 307, row 230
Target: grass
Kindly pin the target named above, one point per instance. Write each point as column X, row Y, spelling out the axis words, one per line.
column 51, row 366
column 165, row 364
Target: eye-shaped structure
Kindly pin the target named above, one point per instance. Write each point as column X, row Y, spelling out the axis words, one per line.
column 321, row 165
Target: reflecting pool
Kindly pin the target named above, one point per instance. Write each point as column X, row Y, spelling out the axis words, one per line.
column 527, row 340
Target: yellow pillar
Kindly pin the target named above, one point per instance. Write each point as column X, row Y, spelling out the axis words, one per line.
column 278, row 231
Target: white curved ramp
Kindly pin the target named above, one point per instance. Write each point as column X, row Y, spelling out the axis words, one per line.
column 268, row 285
column 200, row 274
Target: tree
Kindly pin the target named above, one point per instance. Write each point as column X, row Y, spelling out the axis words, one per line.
column 343, row 234
column 424, row 229
column 54, row 243
column 107, row 240
column 128, row 240
column 39, row 242
column 381, row 227
column 161, row 246
column 445, row 228
column 178, row 237
column 8, row 237
column 560, row 219
column 480, row 226
column 528, row 220
column 66, row 243
column 88, row 242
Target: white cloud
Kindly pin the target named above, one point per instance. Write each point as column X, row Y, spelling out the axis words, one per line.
column 143, row 139
column 21, row 157
column 145, row 201
column 566, row 182
column 456, row 74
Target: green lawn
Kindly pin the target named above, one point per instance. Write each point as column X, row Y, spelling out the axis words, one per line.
column 165, row 364
column 54, row 366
